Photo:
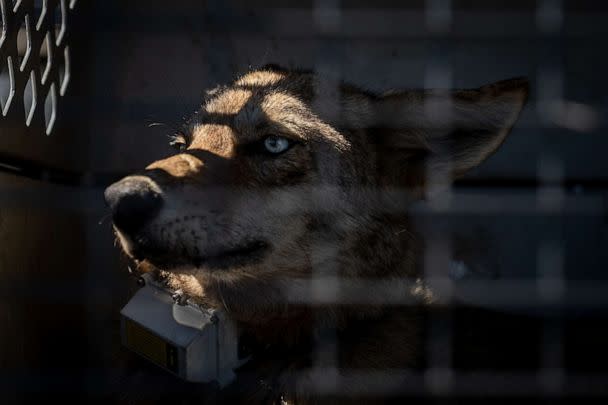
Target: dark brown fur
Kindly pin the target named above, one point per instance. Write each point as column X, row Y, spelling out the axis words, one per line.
column 333, row 207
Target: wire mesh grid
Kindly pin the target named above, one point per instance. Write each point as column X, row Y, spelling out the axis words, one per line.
column 548, row 289
column 26, row 28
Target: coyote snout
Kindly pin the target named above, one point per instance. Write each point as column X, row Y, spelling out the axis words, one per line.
column 134, row 201
column 281, row 182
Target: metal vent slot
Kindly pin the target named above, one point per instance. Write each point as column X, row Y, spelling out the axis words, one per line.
column 40, row 9
column 64, row 71
column 60, row 21
column 50, row 110
column 3, row 24
column 46, row 58
column 29, row 98
column 24, row 43
column 7, row 85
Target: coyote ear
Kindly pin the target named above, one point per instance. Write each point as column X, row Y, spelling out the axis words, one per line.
column 422, row 131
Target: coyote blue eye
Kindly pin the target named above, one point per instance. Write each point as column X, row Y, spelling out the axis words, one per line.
column 276, row 144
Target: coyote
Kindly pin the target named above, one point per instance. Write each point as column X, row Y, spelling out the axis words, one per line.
column 285, row 204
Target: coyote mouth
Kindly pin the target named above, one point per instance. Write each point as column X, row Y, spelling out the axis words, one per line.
column 244, row 254
column 218, row 259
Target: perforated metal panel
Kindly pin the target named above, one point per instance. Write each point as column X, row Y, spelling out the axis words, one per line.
column 35, row 59
column 35, row 76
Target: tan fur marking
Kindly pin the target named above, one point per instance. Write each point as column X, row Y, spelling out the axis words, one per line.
column 178, row 166
column 260, row 78
column 230, row 102
column 216, row 138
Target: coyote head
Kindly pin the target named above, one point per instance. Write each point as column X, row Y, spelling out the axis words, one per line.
column 282, row 175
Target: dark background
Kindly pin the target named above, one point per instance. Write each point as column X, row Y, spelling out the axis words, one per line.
column 531, row 222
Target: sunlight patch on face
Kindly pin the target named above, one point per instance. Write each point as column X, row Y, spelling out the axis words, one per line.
column 285, row 108
column 229, row 103
column 216, row 138
column 293, row 114
column 260, row 78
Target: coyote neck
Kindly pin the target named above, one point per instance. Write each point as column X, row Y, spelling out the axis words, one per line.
column 385, row 254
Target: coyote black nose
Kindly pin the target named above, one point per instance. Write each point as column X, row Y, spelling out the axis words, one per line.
column 133, row 202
